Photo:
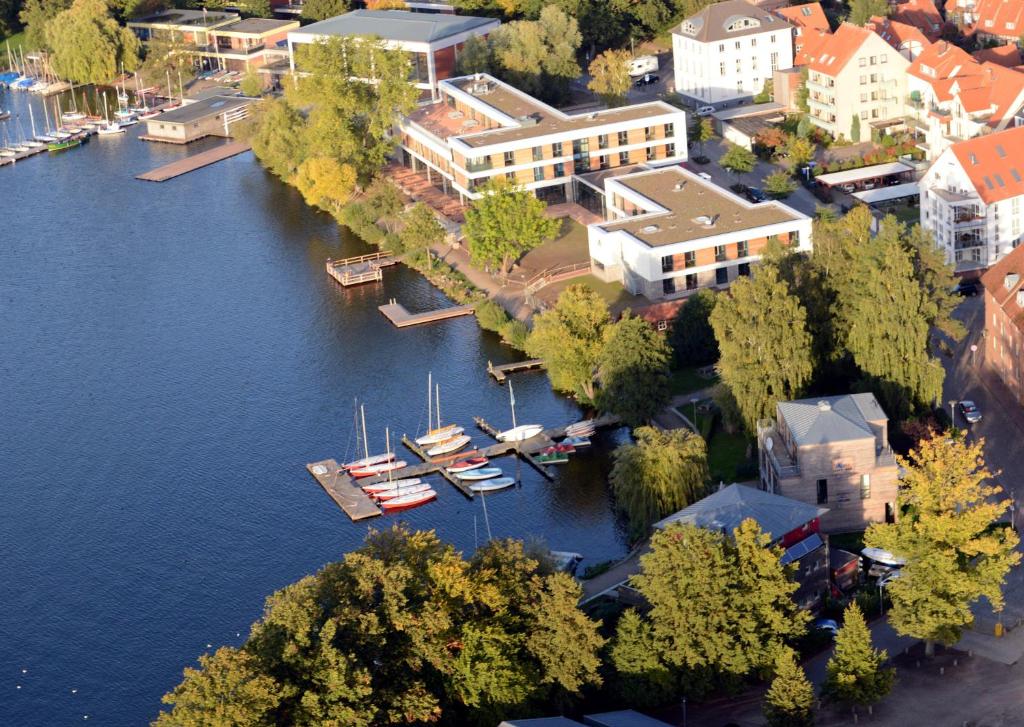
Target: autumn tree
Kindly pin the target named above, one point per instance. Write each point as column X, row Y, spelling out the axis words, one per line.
column 88, row 45
column 765, row 348
column 325, row 182
column 779, row 185
column 323, row 9
column 474, row 57
column 276, row 132
column 539, row 56
column 738, row 160
column 570, row 338
column 800, row 151
column 610, row 76
column 633, row 370
column 856, row 672
column 420, row 229
column 505, row 223
column 659, row 474
column 861, row 11
column 954, row 554
column 701, row 131
column 692, row 338
column 35, row 15
column 789, row 701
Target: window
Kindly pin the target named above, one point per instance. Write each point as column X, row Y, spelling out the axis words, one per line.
column 822, row 492
column 874, row 78
column 581, row 164
column 743, row 269
column 602, row 161
column 511, row 177
column 623, row 158
column 668, row 286
column 721, row 276
column 742, row 248
column 651, row 156
column 737, row 45
column 721, row 68
column 865, row 487
column 538, row 174
column 863, row 114
column 668, row 264
column 863, row 80
column 862, row 62
column 720, row 253
column 556, row 149
column 863, row 98
column 602, row 141
column 559, row 169
column 721, row 47
column 874, row 95
column 538, row 153
column 775, row 61
column 623, row 138
column 670, row 130
column 883, row 59
column 691, row 282
column 648, row 133
column 753, row 42
column 670, row 150
column 874, row 60
column 662, row 325
column 510, row 158
column 690, row 259
column 753, row 65
column 874, row 113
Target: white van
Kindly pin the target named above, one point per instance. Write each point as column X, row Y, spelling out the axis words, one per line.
column 705, row 110
column 643, row 64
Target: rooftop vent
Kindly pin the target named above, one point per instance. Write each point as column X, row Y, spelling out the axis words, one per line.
column 1011, row 280
column 679, row 186
column 824, row 406
column 480, row 88
column 706, row 220
column 649, row 229
column 527, row 120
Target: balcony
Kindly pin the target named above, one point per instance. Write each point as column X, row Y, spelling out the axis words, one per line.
column 776, row 454
column 476, row 165
column 827, row 84
column 966, row 218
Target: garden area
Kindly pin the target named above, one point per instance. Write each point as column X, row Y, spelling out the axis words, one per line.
column 727, row 450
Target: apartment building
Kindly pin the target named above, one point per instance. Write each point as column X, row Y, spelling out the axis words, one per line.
column 951, row 96
column 1004, row 321
column 432, row 40
column 857, row 75
column 669, row 232
column 833, row 452
column 1001, row 21
column 482, row 128
column 726, row 52
column 971, row 199
column 219, row 39
column 792, row 526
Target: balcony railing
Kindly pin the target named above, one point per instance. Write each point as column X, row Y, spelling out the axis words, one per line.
column 484, row 166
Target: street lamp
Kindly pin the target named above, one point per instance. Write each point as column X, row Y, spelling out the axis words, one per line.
column 952, row 414
column 974, row 350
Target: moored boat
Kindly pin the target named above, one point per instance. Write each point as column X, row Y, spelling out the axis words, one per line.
column 553, row 458
column 378, row 469
column 468, row 464
column 577, row 441
column 481, row 474
column 498, row 483
column 449, row 445
column 384, row 486
column 520, row 433
column 61, row 144
column 369, row 461
column 434, row 436
column 394, row 494
column 406, row 501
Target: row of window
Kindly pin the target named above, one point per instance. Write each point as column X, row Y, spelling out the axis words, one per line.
column 582, row 146
column 865, row 489
column 668, row 262
column 774, row 62
column 875, row 78
column 865, row 61
column 690, row 282
column 753, row 43
column 582, row 164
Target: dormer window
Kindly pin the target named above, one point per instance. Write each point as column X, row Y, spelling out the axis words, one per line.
column 742, row 24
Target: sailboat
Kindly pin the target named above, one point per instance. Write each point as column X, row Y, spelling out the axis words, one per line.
column 72, row 114
column 110, row 128
column 438, row 433
column 379, row 487
column 124, row 115
column 498, row 483
column 521, row 432
column 484, row 473
column 377, row 464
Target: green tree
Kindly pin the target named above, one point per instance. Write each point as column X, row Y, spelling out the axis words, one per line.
column 322, row 9
column 251, row 84
column 167, row 57
column 505, row 223
column 800, row 150
column 642, row 679
column 633, row 370
column 475, row 57
column 701, row 131
column 765, row 348
column 35, row 15
column 945, row 533
column 276, row 132
column 610, row 76
column 539, row 56
column 855, row 129
column 255, row 9
column 663, row 472
column 803, row 126
column 861, row 11
column 692, row 338
column 227, row 690
column 420, row 229
column 936, row 278
column 89, row 46
column 779, row 185
column 802, row 93
column 325, row 182
column 789, row 701
column 856, row 672
column 738, row 160
column 570, row 338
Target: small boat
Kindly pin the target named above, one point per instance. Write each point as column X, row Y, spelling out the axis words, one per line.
column 62, row 144
column 378, row 469
column 393, row 494
column 439, row 435
column 482, row 474
column 468, row 464
column 559, row 448
column 369, row 461
column 111, row 129
column 72, row 116
column 498, row 483
column 405, row 501
column 385, row 486
column 449, row 445
column 581, row 425
column 520, row 433
column 46, row 138
column 150, row 114
column 552, row 458
column 4, row 115
column 577, row 441
column 565, row 561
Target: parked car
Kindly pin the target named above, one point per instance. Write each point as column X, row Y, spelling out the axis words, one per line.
column 967, row 288
column 755, row 195
column 705, row 110
column 647, row 79
column 643, row 64
column 848, row 188
column 705, row 176
column 826, row 624
column 970, row 411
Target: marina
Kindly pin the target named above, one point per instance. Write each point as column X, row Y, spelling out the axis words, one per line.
column 402, row 318
column 195, row 161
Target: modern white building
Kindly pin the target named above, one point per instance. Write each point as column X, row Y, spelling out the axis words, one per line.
column 727, row 51
column 972, row 199
column 669, row 232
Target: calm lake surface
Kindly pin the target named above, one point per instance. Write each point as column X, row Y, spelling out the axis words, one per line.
column 172, row 355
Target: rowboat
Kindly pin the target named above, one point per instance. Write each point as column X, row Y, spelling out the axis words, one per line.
column 394, row 494
column 63, row 144
column 405, row 501
column 482, row 474
column 553, row 458
column 563, row 447
column 468, row 464
column 378, row 487
column 520, row 433
column 498, row 483
column 449, row 445
column 439, row 435
column 369, row 461
column 578, row 427
column 378, row 469
column 577, row 441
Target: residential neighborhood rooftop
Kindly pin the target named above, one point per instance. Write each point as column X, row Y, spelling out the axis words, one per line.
column 840, row 49
column 397, row 25
column 832, row 418
column 727, row 20
column 809, row 16
column 1005, row 281
column 994, row 163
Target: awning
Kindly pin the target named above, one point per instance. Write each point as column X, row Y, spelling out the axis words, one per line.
column 884, row 194
column 863, row 173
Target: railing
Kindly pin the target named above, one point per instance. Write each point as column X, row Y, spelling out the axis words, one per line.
column 554, row 274
column 472, row 167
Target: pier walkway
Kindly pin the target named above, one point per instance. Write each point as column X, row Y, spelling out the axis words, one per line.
column 501, row 371
column 398, row 315
column 196, row 161
column 343, row 490
column 362, row 269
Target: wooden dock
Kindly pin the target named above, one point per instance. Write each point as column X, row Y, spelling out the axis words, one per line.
column 31, row 151
column 501, row 371
column 196, row 161
column 361, row 269
column 400, row 317
column 343, row 490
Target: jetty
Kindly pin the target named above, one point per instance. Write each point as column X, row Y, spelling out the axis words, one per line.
column 361, row 269
column 343, row 490
column 501, row 371
column 401, row 318
column 18, row 156
column 196, row 161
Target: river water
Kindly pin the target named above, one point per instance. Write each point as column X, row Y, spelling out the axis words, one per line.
column 172, row 355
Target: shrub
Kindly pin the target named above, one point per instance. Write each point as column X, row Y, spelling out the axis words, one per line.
column 491, row 316
column 514, row 333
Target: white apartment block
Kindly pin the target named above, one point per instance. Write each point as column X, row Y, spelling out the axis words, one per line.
column 972, row 199
column 669, row 233
column 727, row 51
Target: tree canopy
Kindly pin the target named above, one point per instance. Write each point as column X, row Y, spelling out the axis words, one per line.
column 945, row 533
column 323, row 9
column 659, row 474
column 34, row 17
column 855, row 674
column 539, row 56
column 609, row 74
column 421, row 228
column 89, row 45
column 692, row 338
column 789, row 701
column 475, row 57
column 861, row 11
column 505, row 223
column 738, row 160
column 633, row 370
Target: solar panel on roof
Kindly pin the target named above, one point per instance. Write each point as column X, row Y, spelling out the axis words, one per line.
column 988, row 183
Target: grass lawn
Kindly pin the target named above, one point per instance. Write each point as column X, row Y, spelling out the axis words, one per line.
column 726, row 452
column 687, row 379
column 908, row 215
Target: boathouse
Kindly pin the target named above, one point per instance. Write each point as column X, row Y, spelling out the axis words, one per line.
column 211, row 116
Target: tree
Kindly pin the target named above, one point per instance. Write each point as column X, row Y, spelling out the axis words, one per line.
column 251, row 84
column 505, row 223
column 765, row 348
column 420, row 229
column 861, row 11
column 803, row 93
column 945, row 533
column 475, row 57
column 855, row 674
column 803, row 126
column 936, row 278
column 767, row 92
column 610, row 76
column 325, row 182
column 738, row 160
column 855, row 129
column 227, row 689
column 276, row 132
column 255, row 9
column 323, row 9
column 35, row 15
column 569, row 338
column 386, row 5
column 539, row 56
column 800, row 151
column 89, row 46
column 789, row 701
column 701, row 131
column 663, row 472
column 779, row 185
column 167, row 57
column 642, row 679
column 633, row 370
column 692, row 338
column 772, row 138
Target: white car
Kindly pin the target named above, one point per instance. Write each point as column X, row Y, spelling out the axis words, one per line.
column 705, row 176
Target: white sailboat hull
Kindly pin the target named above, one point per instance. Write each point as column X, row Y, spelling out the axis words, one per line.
column 520, row 433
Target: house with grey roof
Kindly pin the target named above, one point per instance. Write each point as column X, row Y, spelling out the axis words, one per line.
column 725, row 53
column 832, row 452
column 432, row 40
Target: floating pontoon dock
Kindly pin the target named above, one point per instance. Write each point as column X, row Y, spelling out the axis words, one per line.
column 501, row 371
column 397, row 314
column 361, row 269
column 196, row 161
column 342, row 489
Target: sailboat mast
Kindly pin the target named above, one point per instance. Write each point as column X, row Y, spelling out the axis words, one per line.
column 387, row 448
column 366, row 446
column 32, row 120
column 437, row 403
column 430, row 393
column 512, row 402
column 106, row 112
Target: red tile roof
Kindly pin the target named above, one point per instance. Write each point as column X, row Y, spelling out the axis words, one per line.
column 1005, row 55
column 994, row 163
column 898, row 35
column 808, row 15
column 920, row 14
column 845, row 43
column 943, row 60
column 993, row 17
column 980, row 87
column 1005, row 289
column 810, row 45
